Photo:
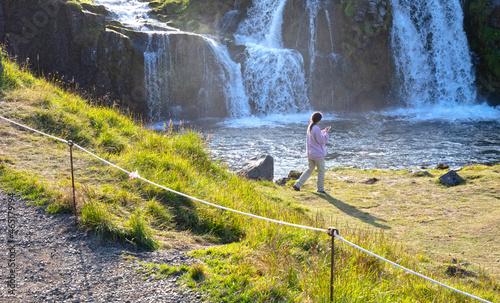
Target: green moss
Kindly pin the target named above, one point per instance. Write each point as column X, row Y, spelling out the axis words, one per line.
column 350, row 9
column 80, row 5
column 89, row 36
column 189, row 15
column 74, row 5
column 368, row 28
column 96, row 9
column 484, row 41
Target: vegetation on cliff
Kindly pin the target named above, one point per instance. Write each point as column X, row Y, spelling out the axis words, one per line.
column 88, row 5
column 484, row 40
column 199, row 16
column 262, row 262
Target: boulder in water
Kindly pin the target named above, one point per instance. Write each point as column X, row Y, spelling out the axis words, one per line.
column 258, row 168
column 451, row 178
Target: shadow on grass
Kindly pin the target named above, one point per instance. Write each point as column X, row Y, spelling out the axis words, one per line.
column 187, row 217
column 354, row 212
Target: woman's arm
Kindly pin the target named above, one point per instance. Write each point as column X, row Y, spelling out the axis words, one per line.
column 320, row 136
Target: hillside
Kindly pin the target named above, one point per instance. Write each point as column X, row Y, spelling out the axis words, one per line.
column 248, row 260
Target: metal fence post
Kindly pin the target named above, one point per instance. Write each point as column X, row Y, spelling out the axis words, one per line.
column 332, row 231
column 70, row 143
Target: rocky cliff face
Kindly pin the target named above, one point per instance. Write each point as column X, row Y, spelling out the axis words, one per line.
column 482, row 24
column 349, row 66
column 73, row 44
column 347, row 59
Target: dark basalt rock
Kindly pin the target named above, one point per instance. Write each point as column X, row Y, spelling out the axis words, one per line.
column 451, row 178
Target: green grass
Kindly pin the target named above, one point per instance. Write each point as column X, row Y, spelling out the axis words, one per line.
column 248, row 260
column 189, row 15
column 79, row 5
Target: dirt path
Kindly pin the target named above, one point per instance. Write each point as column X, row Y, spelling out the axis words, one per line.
column 56, row 262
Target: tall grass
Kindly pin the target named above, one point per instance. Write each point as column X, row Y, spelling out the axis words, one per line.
column 261, row 261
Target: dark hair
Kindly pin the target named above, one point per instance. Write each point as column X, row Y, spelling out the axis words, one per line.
column 315, row 118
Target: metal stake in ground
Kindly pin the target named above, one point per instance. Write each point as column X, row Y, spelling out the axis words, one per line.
column 332, row 231
column 70, row 143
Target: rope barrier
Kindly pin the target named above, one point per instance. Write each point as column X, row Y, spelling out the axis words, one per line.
column 199, row 200
column 333, row 232
column 408, row 270
column 55, row 138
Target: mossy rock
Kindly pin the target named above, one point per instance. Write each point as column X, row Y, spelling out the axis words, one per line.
column 96, row 9
column 89, row 36
column 80, row 5
column 74, row 6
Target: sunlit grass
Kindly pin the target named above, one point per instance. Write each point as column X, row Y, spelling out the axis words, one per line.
column 250, row 260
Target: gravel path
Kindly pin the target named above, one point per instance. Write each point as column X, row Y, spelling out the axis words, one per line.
column 56, row 262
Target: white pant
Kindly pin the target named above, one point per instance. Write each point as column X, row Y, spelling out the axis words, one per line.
column 320, row 164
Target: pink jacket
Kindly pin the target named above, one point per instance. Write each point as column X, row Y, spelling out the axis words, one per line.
column 316, row 140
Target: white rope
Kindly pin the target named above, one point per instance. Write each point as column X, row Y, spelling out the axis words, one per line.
column 202, row 201
column 55, row 138
column 408, row 270
column 248, row 214
column 166, row 188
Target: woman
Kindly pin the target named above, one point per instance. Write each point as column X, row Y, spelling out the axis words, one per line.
column 316, row 152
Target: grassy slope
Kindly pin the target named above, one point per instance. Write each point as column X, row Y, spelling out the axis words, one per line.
column 264, row 262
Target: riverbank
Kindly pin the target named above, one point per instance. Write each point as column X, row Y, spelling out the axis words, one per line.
column 238, row 258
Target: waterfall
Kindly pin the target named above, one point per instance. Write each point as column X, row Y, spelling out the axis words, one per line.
column 313, row 8
column 156, row 65
column 158, row 61
column 432, row 58
column 274, row 76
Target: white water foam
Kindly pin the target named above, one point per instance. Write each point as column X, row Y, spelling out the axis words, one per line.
column 134, row 13
column 431, row 53
column 274, row 76
column 272, row 120
column 439, row 112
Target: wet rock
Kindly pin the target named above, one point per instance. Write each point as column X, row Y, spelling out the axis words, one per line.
column 230, row 21
column 259, row 168
column 442, row 166
column 495, row 14
column 294, row 175
column 282, row 181
column 451, row 178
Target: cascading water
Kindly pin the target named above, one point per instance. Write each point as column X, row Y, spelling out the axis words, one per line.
column 158, row 61
column 431, row 53
column 313, row 8
column 156, row 65
column 274, row 76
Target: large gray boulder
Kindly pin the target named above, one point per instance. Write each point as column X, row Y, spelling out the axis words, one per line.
column 451, row 178
column 259, row 168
